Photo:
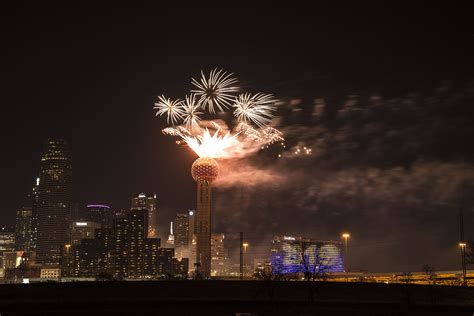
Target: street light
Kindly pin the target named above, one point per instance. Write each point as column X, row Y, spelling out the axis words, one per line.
column 463, row 245
column 346, row 237
column 245, row 245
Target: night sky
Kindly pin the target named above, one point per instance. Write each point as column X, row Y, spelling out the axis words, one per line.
column 393, row 148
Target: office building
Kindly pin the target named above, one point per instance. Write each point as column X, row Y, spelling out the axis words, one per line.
column 291, row 255
column 180, row 268
column 54, row 204
column 24, row 229
column 122, row 251
column 181, row 236
column 181, row 230
column 148, row 202
column 137, row 233
column 165, row 262
column 218, row 255
column 7, row 244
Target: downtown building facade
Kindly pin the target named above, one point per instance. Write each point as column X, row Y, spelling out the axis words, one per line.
column 185, row 238
column 7, row 246
column 122, row 251
column 293, row 255
column 219, row 262
column 143, row 201
column 20, row 261
column 54, row 202
column 24, row 235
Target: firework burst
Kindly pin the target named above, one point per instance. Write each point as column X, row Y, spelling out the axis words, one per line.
column 191, row 112
column 172, row 109
column 257, row 108
column 207, row 145
column 216, row 90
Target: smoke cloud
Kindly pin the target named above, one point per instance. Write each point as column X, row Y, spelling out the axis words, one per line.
column 394, row 172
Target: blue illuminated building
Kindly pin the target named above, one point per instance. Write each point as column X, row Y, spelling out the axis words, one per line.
column 290, row 255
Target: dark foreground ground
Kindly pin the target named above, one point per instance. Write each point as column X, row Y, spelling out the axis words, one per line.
column 232, row 298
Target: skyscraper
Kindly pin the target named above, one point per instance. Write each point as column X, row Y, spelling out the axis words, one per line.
column 218, row 255
column 54, row 205
column 144, row 202
column 181, row 230
column 137, row 234
column 181, row 235
column 23, row 229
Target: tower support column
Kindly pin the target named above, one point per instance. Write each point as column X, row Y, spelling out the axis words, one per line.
column 203, row 228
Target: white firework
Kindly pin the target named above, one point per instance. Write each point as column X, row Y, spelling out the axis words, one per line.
column 213, row 94
column 172, row 109
column 216, row 90
column 191, row 112
column 257, row 108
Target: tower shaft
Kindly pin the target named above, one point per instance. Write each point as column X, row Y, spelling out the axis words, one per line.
column 203, row 227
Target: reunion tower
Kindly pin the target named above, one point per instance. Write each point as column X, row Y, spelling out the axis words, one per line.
column 204, row 171
column 214, row 94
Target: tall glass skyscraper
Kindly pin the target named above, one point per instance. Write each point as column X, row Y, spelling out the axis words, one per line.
column 147, row 202
column 181, row 230
column 54, row 205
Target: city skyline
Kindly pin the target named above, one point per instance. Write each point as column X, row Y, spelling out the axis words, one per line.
column 385, row 112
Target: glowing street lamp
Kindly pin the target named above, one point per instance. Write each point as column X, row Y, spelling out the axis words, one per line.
column 463, row 245
column 244, row 258
column 346, row 237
